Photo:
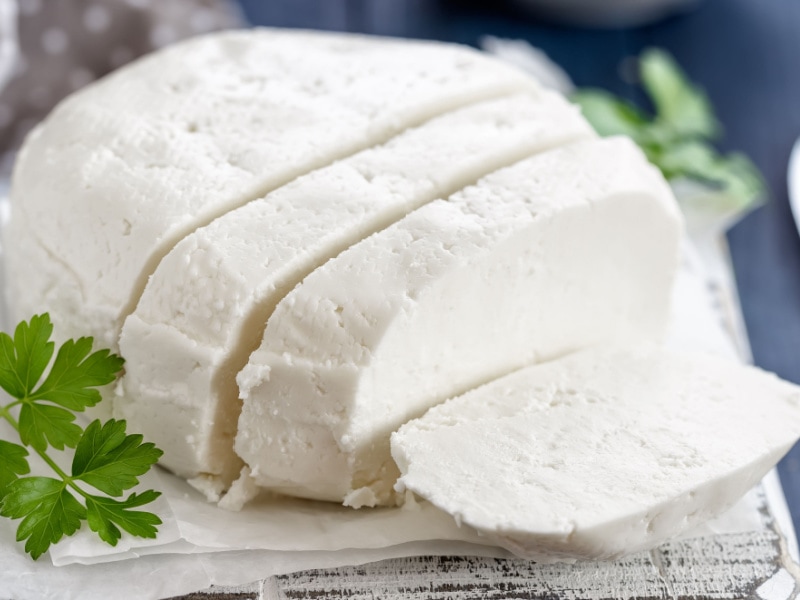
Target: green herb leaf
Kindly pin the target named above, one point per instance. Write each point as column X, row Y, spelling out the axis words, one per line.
column 733, row 175
column 676, row 139
column 24, row 359
column 75, row 374
column 680, row 106
column 110, row 460
column 40, row 424
column 610, row 115
column 106, row 516
column 106, row 457
column 13, row 463
column 48, row 512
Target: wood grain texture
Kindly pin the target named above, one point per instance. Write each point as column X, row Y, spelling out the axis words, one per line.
column 752, row 564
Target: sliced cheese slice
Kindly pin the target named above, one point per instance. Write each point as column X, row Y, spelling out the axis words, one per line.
column 205, row 307
column 567, row 249
column 122, row 170
column 602, row 453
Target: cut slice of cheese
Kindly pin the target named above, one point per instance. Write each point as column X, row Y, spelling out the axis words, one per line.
column 563, row 250
column 122, row 170
column 204, row 310
column 602, row 453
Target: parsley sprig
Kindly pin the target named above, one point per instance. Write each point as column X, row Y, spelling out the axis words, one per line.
column 678, row 137
column 43, row 414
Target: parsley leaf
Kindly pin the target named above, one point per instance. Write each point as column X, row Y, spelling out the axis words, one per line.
column 106, row 457
column 40, row 424
column 681, row 108
column 48, row 512
column 70, row 384
column 75, row 374
column 111, row 461
column 24, row 359
column 677, row 137
column 12, row 464
column 106, row 515
column 610, row 115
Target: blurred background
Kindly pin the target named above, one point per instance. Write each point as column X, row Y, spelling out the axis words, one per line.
column 745, row 54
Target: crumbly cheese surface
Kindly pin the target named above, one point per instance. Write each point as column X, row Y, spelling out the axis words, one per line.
column 125, row 168
column 204, row 309
column 602, row 453
column 570, row 248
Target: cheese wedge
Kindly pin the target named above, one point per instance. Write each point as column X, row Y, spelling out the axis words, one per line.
column 203, row 312
column 567, row 249
column 122, row 170
column 602, row 453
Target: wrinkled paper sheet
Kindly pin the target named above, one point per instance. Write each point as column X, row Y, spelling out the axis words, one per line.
column 201, row 545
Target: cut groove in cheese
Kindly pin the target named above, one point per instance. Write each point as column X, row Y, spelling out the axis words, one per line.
column 204, row 310
column 605, row 452
column 122, row 170
column 570, row 248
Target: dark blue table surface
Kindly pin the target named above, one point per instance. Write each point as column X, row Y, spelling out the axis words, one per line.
column 745, row 53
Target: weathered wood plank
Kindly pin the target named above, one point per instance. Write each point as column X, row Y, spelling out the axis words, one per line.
column 461, row 578
column 734, row 566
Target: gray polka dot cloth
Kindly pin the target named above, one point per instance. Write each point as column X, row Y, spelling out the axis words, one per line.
column 49, row 48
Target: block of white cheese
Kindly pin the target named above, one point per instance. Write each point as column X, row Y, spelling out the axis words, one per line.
column 602, row 453
column 567, row 249
column 122, row 170
column 204, row 309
